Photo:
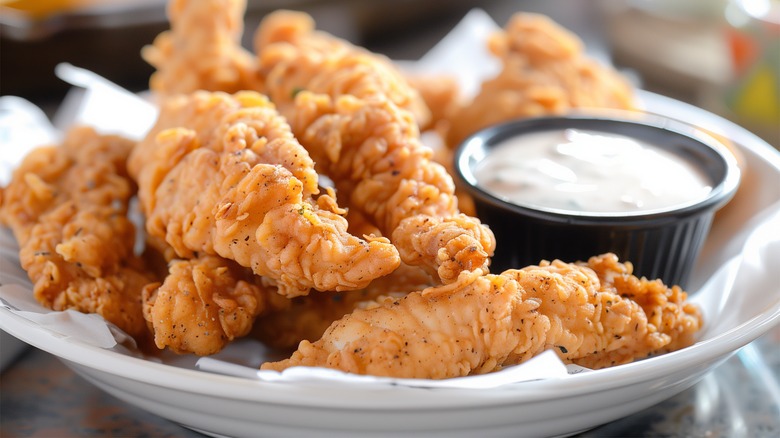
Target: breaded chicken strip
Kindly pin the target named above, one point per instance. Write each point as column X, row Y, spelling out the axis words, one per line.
column 67, row 207
column 202, row 50
column 601, row 315
column 482, row 323
column 372, row 151
column 209, row 115
column 356, row 117
column 545, row 71
column 253, row 121
column 441, row 94
column 203, row 304
column 306, row 318
column 293, row 57
column 233, row 191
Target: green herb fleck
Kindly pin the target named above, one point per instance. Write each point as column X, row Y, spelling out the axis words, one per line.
column 295, row 91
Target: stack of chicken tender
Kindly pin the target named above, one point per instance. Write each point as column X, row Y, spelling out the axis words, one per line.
column 286, row 195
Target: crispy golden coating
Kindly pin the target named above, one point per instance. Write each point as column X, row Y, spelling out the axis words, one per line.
column 202, row 50
column 209, row 115
column 372, row 151
column 253, row 121
column 545, row 71
column 675, row 320
column 441, row 94
column 482, row 323
column 67, row 207
column 357, row 119
column 243, row 190
column 203, row 304
column 293, row 57
column 232, row 203
column 305, row 318
column 466, row 327
column 600, row 315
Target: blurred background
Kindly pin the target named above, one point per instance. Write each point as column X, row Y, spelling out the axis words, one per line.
column 721, row 55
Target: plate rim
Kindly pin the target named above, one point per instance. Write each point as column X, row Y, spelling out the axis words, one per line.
column 712, row 350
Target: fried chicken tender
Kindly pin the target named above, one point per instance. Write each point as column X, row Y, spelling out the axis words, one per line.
column 601, row 315
column 545, row 71
column 233, row 191
column 586, row 313
column 441, row 94
column 203, row 304
column 293, row 56
column 306, row 318
column 372, row 151
column 210, row 115
column 352, row 113
column 202, row 50
column 67, row 207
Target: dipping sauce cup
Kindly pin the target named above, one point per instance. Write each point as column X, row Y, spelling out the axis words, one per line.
column 642, row 186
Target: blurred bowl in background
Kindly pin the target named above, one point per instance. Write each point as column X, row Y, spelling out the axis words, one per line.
column 751, row 96
column 570, row 187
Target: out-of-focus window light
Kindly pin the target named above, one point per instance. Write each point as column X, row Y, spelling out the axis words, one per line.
column 739, row 13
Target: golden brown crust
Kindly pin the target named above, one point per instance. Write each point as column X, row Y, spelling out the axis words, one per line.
column 233, row 205
column 231, row 180
column 482, row 323
column 545, row 71
column 289, row 322
column 67, row 207
column 202, row 51
column 203, row 304
column 294, row 57
column 360, row 121
column 372, row 151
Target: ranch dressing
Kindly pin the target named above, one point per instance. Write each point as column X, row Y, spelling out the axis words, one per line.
column 582, row 171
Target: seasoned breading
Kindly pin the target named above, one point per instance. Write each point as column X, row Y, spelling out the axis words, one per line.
column 203, row 304
column 601, row 315
column 67, row 207
column 233, row 205
column 358, row 120
column 466, row 327
column 289, row 322
column 253, row 123
column 293, row 57
column 441, row 94
column 243, row 190
column 482, row 323
column 545, row 71
column 202, row 50
column 667, row 308
column 372, row 151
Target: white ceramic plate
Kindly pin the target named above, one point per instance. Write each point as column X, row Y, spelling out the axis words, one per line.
column 225, row 405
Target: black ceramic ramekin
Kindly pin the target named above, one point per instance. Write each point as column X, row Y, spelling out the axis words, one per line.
column 660, row 244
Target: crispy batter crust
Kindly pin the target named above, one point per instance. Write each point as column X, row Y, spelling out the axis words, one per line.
column 545, row 71
column 231, row 180
column 203, row 305
column 67, row 207
column 202, row 51
column 482, row 323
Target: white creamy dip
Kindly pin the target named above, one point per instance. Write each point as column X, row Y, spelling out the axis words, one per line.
column 584, row 171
